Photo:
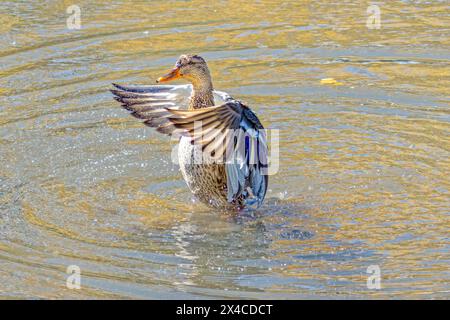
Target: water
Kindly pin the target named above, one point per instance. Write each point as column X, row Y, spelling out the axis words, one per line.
column 364, row 166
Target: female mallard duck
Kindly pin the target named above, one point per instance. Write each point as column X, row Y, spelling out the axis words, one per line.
column 222, row 150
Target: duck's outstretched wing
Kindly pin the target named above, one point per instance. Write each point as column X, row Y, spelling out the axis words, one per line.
column 230, row 133
column 141, row 98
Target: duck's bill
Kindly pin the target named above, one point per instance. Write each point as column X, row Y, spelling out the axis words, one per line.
column 172, row 75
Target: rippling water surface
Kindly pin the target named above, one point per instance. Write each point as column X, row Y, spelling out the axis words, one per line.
column 364, row 168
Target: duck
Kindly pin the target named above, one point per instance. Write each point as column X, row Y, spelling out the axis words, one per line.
column 222, row 145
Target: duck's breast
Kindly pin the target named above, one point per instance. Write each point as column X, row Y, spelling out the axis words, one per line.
column 207, row 180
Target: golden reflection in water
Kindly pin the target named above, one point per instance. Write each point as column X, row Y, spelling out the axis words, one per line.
column 364, row 168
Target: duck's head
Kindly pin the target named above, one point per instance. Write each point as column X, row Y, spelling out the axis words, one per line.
column 193, row 68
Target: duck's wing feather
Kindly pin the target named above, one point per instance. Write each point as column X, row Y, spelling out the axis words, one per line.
column 247, row 174
column 140, row 99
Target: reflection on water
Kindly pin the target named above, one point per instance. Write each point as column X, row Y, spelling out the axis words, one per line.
column 364, row 165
